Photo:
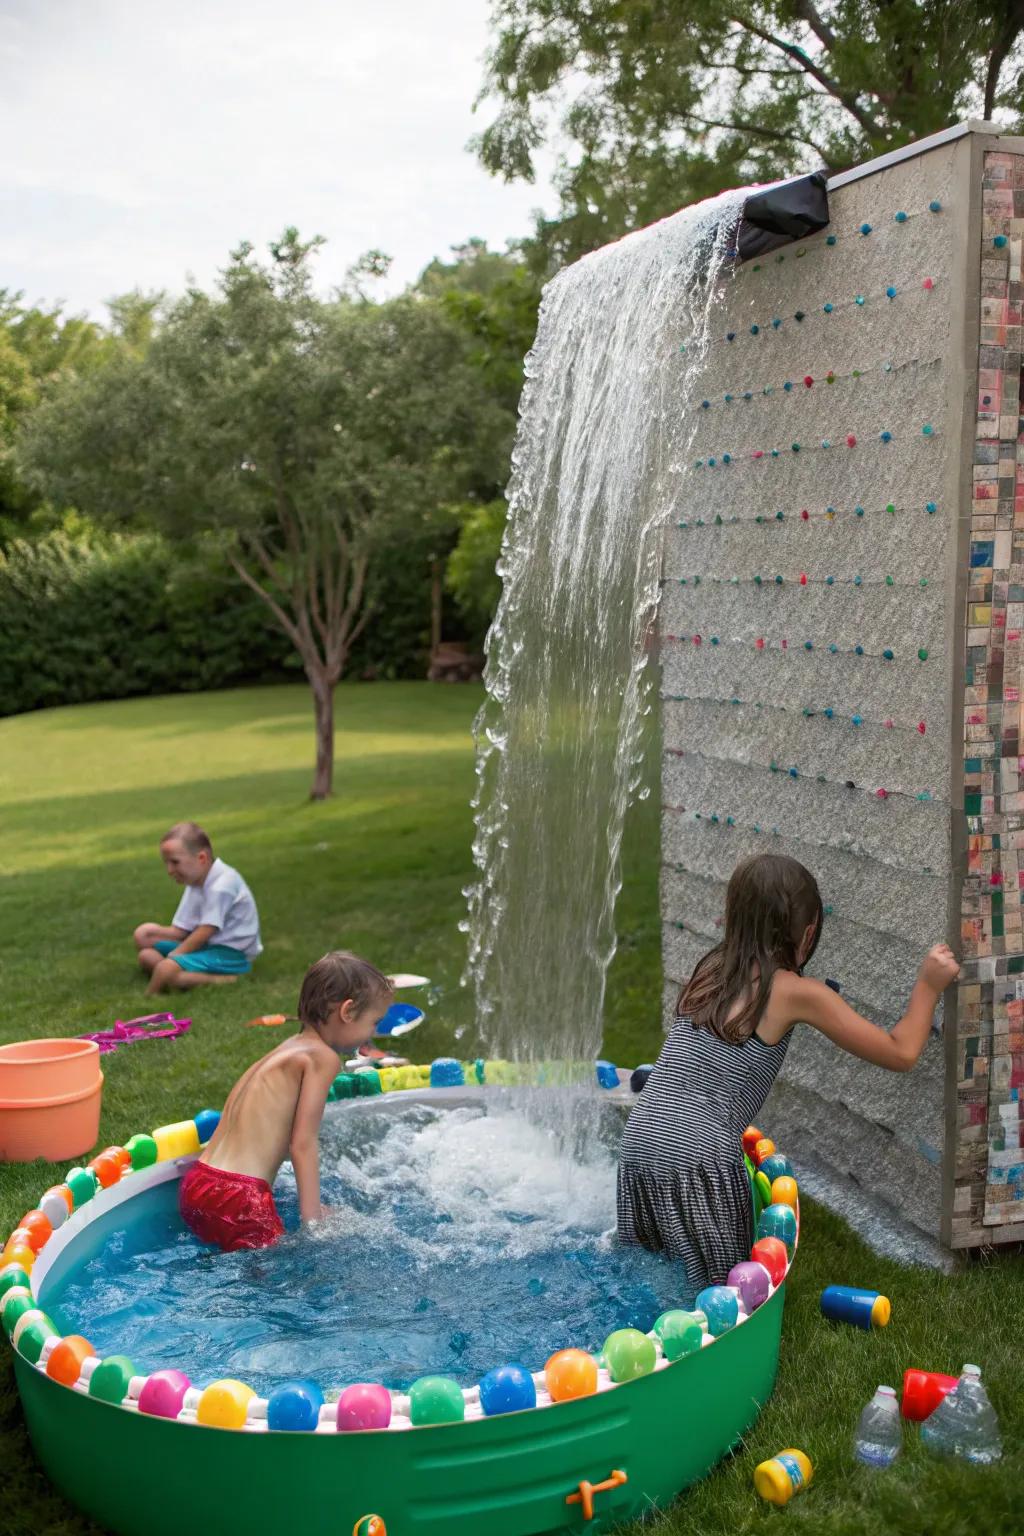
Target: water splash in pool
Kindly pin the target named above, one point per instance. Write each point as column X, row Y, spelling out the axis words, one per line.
column 605, row 428
column 460, row 1238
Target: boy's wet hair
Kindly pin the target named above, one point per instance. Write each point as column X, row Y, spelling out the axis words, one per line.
column 191, row 836
column 337, row 978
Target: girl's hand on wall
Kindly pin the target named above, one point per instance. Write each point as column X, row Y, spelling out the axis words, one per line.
column 939, row 967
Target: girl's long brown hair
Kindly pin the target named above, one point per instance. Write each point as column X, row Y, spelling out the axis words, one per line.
column 770, row 903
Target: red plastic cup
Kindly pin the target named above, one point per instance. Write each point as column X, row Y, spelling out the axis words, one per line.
column 923, row 1391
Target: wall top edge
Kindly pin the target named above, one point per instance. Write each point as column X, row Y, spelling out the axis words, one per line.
column 919, row 147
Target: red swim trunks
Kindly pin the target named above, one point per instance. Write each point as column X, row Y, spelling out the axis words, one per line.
column 232, row 1210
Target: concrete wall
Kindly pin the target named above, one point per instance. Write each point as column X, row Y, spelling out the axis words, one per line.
column 760, row 742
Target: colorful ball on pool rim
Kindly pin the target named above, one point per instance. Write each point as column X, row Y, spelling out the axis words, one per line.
column 764, row 1148
column 224, row 1404
column 107, row 1169
column 570, row 1373
column 57, row 1205
column 122, row 1154
column 109, row 1381
column 82, row 1183
column 679, row 1333
column 507, row 1389
column 784, row 1191
column 751, row 1137
column 752, row 1281
column 66, row 1359
column 776, row 1167
column 369, row 1525
column 763, row 1187
column 142, row 1150
column 16, row 1302
column 39, row 1228
column 163, row 1394
column 771, row 1252
column 778, row 1221
column 720, row 1307
column 628, row 1354
column 365, row 1405
column 294, row 1405
column 31, row 1332
column 436, row 1400
column 20, row 1254
column 207, row 1122
column 10, row 1276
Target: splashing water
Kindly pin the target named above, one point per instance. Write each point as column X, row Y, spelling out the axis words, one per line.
column 602, row 439
column 449, row 1250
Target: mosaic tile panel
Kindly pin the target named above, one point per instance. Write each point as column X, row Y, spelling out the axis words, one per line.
column 989, row 1172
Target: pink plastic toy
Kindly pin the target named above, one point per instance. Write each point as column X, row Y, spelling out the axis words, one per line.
column 138, row 1029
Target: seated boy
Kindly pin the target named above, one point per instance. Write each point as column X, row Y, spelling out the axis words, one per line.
column 275, row 1108
column 215, row 935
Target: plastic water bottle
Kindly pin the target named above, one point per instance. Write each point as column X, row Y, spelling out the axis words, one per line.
column 879, row 1437
column 964, row 1424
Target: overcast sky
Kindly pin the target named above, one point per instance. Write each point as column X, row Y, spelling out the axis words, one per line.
column 142, row 139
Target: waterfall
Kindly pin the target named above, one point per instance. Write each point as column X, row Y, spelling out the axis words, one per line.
column 604, row 431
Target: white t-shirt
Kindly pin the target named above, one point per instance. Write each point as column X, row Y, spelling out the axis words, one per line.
column 225, row 902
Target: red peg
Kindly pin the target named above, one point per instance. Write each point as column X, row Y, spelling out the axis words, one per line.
column 759, row 644
column 805, row 515
column 921, row 727
column 929, row 284
column 851, row 441
column 808, row 380
column 881, row 794
column 803, row 578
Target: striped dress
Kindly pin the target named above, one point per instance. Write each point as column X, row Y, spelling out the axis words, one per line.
column 683, row 1188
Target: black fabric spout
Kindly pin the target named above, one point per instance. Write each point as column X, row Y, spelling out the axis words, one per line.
column 781, row 214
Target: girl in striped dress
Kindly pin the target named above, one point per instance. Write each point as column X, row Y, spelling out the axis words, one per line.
column 683, row 1188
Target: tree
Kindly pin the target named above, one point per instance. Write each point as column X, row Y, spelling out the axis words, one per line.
column 36, row 346
column 493, row 297
column 664, row 102
column 301, row 436
column 472, row 574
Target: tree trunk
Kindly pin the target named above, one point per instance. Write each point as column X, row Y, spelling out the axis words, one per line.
column 323, row 710
column 436, row 573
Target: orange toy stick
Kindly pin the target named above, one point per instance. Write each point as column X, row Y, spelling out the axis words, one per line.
column 271, row 1020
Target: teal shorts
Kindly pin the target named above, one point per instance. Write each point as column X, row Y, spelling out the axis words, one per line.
column 213, row 959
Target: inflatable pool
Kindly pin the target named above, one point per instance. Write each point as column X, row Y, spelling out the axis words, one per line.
column 570, row 1442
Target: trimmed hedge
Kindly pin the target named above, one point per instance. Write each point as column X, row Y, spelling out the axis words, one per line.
column 82, row 621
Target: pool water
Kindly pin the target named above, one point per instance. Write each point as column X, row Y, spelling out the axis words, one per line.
column 461, row 1238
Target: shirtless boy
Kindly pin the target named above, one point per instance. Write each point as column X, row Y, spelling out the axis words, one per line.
column 275, row 1108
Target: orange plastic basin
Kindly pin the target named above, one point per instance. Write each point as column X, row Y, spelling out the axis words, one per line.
column 50, row 1093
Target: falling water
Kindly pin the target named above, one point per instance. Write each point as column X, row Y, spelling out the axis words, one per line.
column 604, row 431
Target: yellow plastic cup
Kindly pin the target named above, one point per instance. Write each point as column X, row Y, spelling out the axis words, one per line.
column 778, row 1479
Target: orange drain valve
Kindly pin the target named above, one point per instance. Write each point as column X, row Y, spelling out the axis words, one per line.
column 585, row 1494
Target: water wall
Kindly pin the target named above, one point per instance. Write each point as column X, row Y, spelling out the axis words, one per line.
column 840, row 630
column 806, row 465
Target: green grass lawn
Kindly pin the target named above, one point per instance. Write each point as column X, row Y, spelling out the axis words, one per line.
column 85, row 794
